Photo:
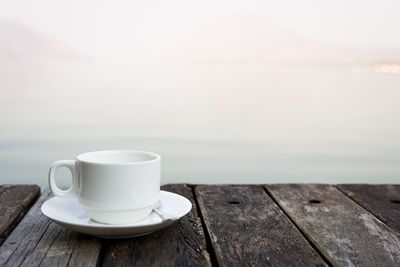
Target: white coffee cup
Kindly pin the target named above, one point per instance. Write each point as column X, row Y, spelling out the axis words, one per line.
column 113, row 187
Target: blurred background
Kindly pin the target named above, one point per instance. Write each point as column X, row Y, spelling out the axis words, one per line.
column 254, row 91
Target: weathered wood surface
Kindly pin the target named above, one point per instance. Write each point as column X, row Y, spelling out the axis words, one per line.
column 182, row 244
column 381, row 200
column 357, row 225
column 345, row 233
column 15, row 200
column 38, row 242
column 248, row 229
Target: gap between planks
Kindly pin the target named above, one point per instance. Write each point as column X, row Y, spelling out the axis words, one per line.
column 298, row 228
column 247, row 227
column 391, row 221
column 209, row 245
column 342, row 229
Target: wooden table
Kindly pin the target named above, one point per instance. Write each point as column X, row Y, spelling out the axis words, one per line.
column 229, row 225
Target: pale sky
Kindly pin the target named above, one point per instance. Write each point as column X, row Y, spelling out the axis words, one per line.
column 113, row 29
column 217, row 116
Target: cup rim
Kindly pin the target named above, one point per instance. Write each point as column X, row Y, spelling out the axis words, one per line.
column 81, row 157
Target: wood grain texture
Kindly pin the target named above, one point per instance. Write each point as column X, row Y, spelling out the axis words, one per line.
column 181, row 244
column 15, row 200
column 37, row 241
column 346, row 233
column 381, row 200
column 247, row 228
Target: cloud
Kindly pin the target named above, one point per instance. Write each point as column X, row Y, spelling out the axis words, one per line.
column 18, row 41
column 241, row 39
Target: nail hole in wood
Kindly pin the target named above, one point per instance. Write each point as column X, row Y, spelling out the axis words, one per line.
column 314, row 201
column 234, row 202
column 395, row 201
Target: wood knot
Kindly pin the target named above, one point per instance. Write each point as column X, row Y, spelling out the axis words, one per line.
column 314, row 201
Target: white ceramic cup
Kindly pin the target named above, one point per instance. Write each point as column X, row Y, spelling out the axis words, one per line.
column 113, row 187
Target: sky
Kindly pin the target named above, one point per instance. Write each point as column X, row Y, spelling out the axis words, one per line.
column 134, row 29
column 254, row 91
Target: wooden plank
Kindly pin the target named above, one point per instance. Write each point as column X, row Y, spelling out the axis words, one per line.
column 38, row 241
column 15, row 200
column 182, row 244
column 344, row 232
column 381, row 200
column 247, row 228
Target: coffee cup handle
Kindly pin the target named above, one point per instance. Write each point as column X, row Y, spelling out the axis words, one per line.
column 70, row 164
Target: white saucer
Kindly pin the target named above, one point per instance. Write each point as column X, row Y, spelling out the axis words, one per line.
column 69, row 213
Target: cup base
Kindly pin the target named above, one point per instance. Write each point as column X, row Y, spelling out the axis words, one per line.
column 118, row 217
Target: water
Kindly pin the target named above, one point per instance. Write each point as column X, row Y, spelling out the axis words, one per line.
column 210, row 123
